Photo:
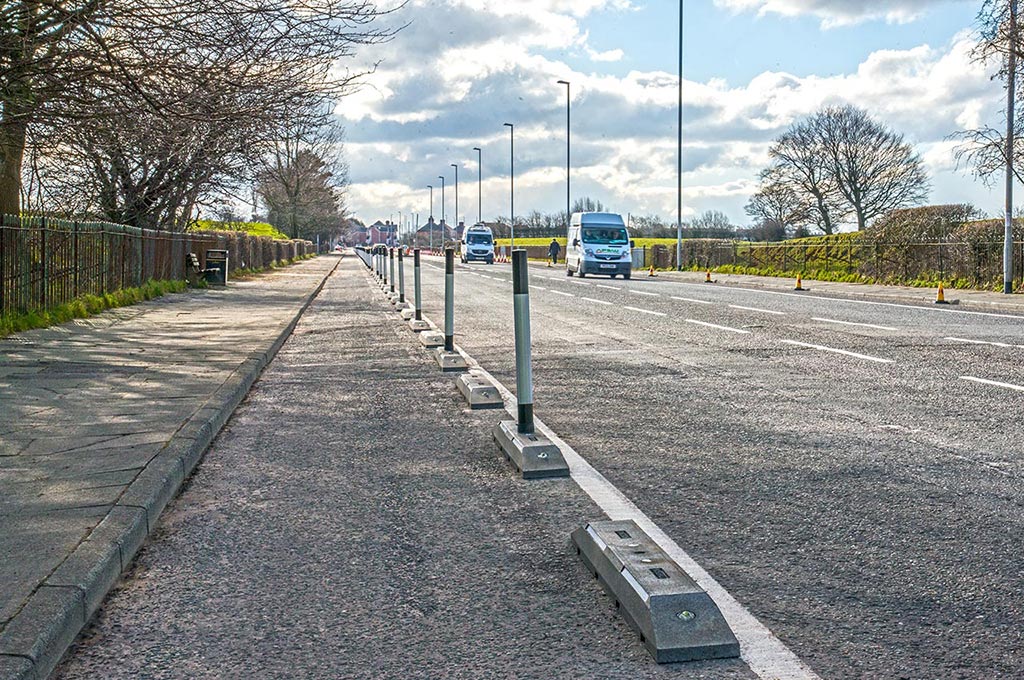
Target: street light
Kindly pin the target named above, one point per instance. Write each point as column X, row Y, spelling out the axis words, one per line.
column 568, row 149
column 456, row 195
column 479, row 185
column 430, row 223
column 512, row 181
column 440, row 177
column 679, row 152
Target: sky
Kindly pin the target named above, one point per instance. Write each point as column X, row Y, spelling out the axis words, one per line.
column 459, row 69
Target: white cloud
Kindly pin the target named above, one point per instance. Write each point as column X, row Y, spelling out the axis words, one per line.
column 464, row 67
column 835, row 13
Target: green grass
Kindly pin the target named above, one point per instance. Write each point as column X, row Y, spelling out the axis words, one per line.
column 251, row 228
column 86, row 306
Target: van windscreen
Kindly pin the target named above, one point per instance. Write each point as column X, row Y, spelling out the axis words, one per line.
column 478, row 239
column 611, row 236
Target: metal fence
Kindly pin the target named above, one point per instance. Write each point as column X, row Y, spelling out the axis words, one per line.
column 965, row 263
column 46, row 262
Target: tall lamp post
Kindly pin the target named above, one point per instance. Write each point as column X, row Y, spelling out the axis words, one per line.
column 456, row 195
column 479, row 184
column 441, row 177
column 568, row 150
column 679, row 152
column 430, row 222
column 512, row 181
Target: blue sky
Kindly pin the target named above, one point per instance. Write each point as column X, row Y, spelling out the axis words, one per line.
column 752, row 68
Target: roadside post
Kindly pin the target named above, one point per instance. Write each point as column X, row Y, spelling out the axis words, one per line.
column 447, row 358
column 535, row 456
column 402, row 305
column 391, row 257
column 384, row 265
column 417, row 323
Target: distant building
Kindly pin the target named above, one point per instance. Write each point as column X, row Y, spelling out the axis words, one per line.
column 382, row 232
column 435, row 233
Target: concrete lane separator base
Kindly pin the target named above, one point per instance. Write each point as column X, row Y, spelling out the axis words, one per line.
column 56, row 613
column 533, row 455
column 450, row 362
column 431, row 338
column 479, row 392
column 676, row 619
column 419, row 326
column 407, row 313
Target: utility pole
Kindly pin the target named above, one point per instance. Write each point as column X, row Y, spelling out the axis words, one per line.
column 479, row 185
column 679, row 152
column 1011, row 86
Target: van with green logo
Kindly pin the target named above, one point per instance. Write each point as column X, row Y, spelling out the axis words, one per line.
column 598, row 243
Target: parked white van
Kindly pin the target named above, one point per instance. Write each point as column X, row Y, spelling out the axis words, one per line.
column 598, row 243
column 477, row 244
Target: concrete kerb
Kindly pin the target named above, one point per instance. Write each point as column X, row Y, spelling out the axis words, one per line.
column 36, row 638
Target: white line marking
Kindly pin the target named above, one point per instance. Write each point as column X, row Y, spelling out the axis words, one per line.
column 765, row 654
column 1008, row 386
column 920, row 308
column 699, row 302
column 640, row 292
column 580, row 283
column 601, row 285
column 851, row 323
column 721, row 328
column 983, row 342
column 558, row 292
column 758, row 309
column 838, row 351
column 645, row 311
column 600, row 302
column 538, row 288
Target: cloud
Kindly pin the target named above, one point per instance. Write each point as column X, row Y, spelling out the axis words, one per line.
column 834, row 13
column 464, row 67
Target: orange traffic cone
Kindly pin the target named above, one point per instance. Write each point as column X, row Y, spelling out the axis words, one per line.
column 941, row 297
column 799, row 283
column 651, row 272
column 707, row 277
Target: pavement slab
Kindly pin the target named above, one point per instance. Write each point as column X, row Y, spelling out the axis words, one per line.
column 92, row 418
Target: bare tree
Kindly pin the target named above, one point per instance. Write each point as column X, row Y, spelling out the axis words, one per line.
column 777, row 202
column 798, row 161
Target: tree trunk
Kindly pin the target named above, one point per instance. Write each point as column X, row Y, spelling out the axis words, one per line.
column 13, row 131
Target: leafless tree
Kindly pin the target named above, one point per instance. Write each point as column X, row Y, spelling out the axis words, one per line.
column 777, row 202
column 874, row 169
column 798, row 161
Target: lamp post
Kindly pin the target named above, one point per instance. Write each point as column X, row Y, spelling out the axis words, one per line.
column 679, row 152
column 512, row 182
column 479, row 185
column 442, row 209
column 456, row 195
column 430, row 222
column 568, row 150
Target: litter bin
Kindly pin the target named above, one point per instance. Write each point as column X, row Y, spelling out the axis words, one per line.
column 217, row 267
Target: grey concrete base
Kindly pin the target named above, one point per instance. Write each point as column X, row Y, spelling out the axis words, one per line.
column 431, row 338
column 450, row 362
column 676, row 619
column 533, row 455
column 403, row 306
column 420, row 326
column 479, row 392
column 408, row 313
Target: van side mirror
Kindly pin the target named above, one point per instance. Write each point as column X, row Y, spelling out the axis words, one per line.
column 576, row 243
column 632, row 243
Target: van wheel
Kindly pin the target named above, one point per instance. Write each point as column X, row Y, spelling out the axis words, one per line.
column 627, row 275
column 568, row 272
column 582, row 274
column 614, row 275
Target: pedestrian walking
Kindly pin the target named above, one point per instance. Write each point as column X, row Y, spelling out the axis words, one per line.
column 553, row 250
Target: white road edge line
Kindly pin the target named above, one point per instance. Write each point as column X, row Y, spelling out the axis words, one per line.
column 838, row 351
column 699, row 302
column 1009, row 386
column 985, row 342
column 721, row 328
column 758, row 309
column 766, row 655
column 600, row 302
column 851, row 323
column 645, row 311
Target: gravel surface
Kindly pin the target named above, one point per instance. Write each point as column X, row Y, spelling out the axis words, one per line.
column 869, row 513
column 354, row 520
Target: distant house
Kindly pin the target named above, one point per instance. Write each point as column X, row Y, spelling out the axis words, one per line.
column 434, row 233
column 382, row 232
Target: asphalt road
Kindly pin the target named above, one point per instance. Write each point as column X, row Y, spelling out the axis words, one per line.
column 354, row 520
column 840, row 466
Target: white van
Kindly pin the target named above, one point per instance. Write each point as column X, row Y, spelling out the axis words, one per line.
column 477, row 244
column 598, row 243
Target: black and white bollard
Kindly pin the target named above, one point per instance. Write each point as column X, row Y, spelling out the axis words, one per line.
column 447, row 357
column 535, row 456
column 401, row 305
column 391, row 257
column 417, row 323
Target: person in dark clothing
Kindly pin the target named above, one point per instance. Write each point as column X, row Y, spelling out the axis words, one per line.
column 553, row 250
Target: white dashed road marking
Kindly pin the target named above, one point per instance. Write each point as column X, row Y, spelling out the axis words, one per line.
column 699, row 302
column 984, row 342
column 645, row 311
column 758, row 309
column 1009, row 386
column 716, row 326
column 838, row 351
column 851, row 323
column 558, row 292
column 601, row 285
column 600, row 302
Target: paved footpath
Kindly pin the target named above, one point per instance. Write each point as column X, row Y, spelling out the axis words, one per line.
column 101, row 420
column 355, row 520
